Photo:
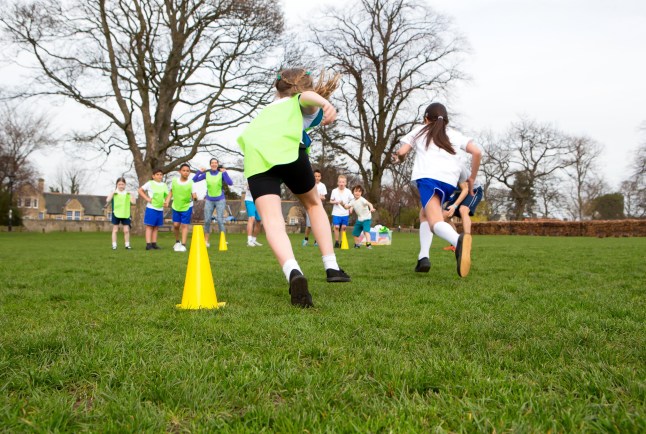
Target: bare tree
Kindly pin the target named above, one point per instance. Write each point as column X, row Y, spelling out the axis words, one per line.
column 394, row 55
column 166, row 75
column 529, row 152
column 634, row 188
column 582, row 155
column 70, row 179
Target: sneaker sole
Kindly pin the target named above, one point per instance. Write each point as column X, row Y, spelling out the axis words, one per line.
column 300, row 296
column 338, row 279
column 465, row 256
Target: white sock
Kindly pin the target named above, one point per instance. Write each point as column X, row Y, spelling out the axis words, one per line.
column 329, row 261
column 290, row 265
column 253, row 239
column 444, row 230
column 114, row 244
column 128, row 244
column 249, row 238
column 425, row 240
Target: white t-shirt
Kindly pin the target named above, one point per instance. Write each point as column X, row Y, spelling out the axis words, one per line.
column 362, row 207
column 147, row 187
column 247, row 195
column 465, row 172
column 434, row 162
column 322, row 189
column 344, row 196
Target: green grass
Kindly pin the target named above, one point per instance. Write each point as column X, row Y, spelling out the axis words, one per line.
column 545, row 334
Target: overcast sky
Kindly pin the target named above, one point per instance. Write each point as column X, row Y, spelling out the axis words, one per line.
column 578, row 64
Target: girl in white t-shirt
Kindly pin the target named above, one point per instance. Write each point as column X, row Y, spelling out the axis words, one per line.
column 436, row 170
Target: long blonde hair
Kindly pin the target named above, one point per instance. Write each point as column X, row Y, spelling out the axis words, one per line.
column 297, row 80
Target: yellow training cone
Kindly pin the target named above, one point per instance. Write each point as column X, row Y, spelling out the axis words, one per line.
column 344, row 242
column 223, row 242
column 199, row 290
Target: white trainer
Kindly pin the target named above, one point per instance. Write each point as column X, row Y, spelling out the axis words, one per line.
column 177, row 246
column 256, row 243
column 250, row 244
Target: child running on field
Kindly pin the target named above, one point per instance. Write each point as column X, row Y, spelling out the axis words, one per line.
column 436, row 170
column 154, row 192
column 275, row 151
column 340, row 197
column 121, row 201
column 183, row 193
column 364, row 210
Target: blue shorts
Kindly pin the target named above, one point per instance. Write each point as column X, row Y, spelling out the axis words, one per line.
column 361, row 226
column 251, row 210
column 340, row 220
column 183, row 217
column 152, row 217
column 116, row 221
column 430, row 187
column 472, row 201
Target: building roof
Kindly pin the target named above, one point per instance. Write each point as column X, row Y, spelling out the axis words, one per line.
column 56, row 202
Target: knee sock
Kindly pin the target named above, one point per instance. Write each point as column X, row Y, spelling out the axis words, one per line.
column 329, row 261
column 444, row 230
column 425, row 240
column 290, row 265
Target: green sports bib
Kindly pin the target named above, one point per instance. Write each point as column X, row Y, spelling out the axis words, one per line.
column 214, row 184
column 182, row 195
column 273, row 137
column 160, row 191
column 121, row 205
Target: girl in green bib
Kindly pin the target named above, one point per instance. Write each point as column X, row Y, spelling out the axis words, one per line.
column 275, row 146
column 120, row 201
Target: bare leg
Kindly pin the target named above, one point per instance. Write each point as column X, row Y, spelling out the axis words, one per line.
column 126, row 234
column 115, row 229
column 318, row 217
column 149, row 234
column 184, row 233
column 176, row 226
column 270, row 209
column 466, row 219
column 154, row 234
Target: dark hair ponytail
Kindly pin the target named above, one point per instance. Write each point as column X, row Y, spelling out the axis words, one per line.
column 435, row 129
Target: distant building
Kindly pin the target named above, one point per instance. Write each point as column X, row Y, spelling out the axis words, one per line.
column 35, row 204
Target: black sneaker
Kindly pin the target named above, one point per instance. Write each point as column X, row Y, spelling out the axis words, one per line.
column 336, row 245
column 298, row 290
column 336, row 275
column 149, row 246
column 463, row 254
column 357, row 246
column 423, row 265
column 156, row 247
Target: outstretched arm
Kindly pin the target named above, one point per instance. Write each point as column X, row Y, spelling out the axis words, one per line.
column 310, row 101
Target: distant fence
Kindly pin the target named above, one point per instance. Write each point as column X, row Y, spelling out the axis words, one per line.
column 45, row 226
column 592, row 228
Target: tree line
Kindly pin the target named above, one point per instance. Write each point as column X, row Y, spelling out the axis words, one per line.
column 168, row 79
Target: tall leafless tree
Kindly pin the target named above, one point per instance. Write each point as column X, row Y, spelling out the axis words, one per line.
column 527, row 153
column 394, row 55
column 166, row 75
column 582, row 155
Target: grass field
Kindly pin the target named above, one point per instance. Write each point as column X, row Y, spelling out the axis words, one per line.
column 545, row 335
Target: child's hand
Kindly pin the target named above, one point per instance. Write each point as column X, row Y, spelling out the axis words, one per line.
column 329, row 114
column 450, row 211
column 394, row 157
column 373, row 210
column 203, row 169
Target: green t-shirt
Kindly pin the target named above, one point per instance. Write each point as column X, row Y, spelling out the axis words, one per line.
column 273, row 137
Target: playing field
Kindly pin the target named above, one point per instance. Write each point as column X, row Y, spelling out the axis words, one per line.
column 545, row 334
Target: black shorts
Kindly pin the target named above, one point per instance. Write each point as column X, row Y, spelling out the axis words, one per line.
column 297, row 176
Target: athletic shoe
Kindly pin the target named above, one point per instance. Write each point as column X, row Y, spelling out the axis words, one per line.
column 114, row 247
column 337, row 245
column 300, row 296
column 128, row 248
column 451, row 248
column 423, row 265
column 368, row 246
column 336, row 275
column 177, row 247
column 181, row 248
column 357, row 246
column 208, row 244
column 250, row 244
column 149, row 246
column 316, row 244
column 256, row 243
column 463, row 254
column 304, row 243
column 155, row 246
